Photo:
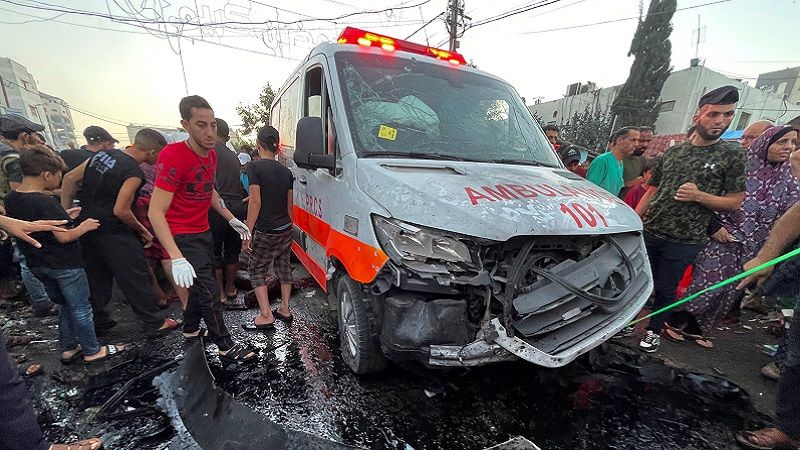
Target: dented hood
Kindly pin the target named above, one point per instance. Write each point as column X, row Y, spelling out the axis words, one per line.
column 493, row 201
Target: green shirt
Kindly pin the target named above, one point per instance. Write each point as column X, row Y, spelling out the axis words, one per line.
column 718, row 169
column 606, row 172
column 633, row 166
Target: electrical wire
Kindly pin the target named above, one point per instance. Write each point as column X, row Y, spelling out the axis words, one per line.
column 620, row 19
column 507, row 14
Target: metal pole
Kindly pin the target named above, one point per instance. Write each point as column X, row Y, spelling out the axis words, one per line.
column 453, row 24
column 183, row 68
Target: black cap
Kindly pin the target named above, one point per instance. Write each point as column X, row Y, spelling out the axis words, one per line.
column 95, row 134
column 723, row 95
column 10, row 123
column 571, row 155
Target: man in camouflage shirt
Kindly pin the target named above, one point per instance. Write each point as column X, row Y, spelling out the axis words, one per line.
column 693, row 180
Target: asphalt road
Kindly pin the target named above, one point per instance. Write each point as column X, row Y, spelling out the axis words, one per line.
column 615, row 399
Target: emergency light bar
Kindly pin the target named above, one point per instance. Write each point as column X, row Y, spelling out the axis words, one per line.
column 352, row 35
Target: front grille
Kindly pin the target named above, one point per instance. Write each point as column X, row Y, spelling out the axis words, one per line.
column 553, row 319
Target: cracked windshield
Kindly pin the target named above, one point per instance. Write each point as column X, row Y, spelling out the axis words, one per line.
column 403, row 107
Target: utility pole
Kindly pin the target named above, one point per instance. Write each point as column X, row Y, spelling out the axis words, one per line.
column 454, row 12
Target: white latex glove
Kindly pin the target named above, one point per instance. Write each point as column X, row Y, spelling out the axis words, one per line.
column 183, row 273
column 241, row 228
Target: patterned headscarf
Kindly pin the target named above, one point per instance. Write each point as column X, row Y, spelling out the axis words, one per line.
column 771, row 191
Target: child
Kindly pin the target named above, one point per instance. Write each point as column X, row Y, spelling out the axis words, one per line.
column 58, row 263
column 636, row 193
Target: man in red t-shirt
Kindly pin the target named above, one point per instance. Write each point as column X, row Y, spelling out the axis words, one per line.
column 184, row 191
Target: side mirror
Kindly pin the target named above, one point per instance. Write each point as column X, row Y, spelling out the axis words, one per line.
column 309, row 151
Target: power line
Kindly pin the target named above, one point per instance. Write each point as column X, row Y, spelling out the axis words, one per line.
column 58, row 8
column 511, row 13
column 423, row 26
column 620, row 19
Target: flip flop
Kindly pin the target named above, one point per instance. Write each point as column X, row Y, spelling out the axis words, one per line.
column 33, row 370
column 673, row 335
column 75, row 356
column 174, row 325
column 112, row 350
column 280, row 316
column 235, row 306
column 201, row 333
column 87, row 444
column 258, row 327
column 238, row 353
column 764, row 439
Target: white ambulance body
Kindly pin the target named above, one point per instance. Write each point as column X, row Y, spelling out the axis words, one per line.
column 430, row 207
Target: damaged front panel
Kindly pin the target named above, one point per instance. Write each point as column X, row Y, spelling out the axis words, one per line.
column 543, row 299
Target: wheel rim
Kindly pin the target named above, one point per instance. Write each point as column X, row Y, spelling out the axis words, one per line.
column 349, row 322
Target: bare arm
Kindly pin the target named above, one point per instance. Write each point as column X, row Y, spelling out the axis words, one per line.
column 689, row 192
column 122, row 207
column 159, row 203
column 795, row 160
column 75, row 233
column 641, row 208
column 69, row 185
column 22, row 229
column 216, row 204
column 253, row 206
column 634, row 182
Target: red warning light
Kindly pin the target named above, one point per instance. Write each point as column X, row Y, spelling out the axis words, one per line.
column 352, row 35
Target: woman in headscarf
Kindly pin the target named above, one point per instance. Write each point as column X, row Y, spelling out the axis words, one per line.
column 771, row 190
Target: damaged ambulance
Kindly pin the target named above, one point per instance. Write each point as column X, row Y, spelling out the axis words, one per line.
column 444, row 228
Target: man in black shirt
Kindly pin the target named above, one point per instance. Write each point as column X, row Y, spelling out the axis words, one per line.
column 110, row 181
column 97, row 140
column 269, row 217
column 227, row 244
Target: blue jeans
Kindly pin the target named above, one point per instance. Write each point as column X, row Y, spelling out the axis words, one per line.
column 70, row 289
column 36, row 291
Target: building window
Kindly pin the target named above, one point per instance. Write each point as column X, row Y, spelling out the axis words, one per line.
column 34, row 112
column 24, row 84
column 744, row 119
column 667, row 106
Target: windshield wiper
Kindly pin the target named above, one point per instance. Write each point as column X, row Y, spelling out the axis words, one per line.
column 416, row 155
column 526, row 162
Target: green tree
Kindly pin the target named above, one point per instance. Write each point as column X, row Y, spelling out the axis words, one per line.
column 589, row 129
column 638, row 100
column 256, row 115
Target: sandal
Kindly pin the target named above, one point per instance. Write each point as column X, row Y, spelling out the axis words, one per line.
column 280, row 316
column 258, row 326
column 74, row 357
column 111, row 350
column 171, row 325
column 33, row 370
column 238, row 353
column 235, row 306
column 673, row 335
column 200, row 333
column 765, row 439
column 87, row 444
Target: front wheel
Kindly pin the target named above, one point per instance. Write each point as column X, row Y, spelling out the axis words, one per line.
column 358, row 328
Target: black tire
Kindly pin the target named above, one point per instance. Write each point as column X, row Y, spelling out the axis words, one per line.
column 358, row 328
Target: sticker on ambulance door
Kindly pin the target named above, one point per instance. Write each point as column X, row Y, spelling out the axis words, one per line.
column 387, row 133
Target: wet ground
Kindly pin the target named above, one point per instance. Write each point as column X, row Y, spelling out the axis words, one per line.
column 616, row 398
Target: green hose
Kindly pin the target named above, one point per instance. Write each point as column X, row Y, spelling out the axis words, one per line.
column 730, row 280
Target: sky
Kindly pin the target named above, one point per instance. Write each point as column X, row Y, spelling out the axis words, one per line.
column 122, row 73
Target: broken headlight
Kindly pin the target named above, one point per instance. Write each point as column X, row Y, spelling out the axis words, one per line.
column 404, row 242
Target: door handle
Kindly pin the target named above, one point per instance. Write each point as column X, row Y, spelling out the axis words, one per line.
column 302, row 180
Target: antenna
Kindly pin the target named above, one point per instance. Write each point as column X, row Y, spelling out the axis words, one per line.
column 698, row 37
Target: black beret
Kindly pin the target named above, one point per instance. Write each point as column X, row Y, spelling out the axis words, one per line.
column 723, row 95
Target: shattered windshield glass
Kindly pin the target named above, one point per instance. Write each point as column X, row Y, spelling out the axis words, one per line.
column 404, row 107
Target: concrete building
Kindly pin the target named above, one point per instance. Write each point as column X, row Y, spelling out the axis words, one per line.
column 20, row 94
column 59, row 119
column 679, row 98
column 784, row 82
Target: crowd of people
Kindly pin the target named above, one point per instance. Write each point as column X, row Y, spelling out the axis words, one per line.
column 184, row 211
column 712, row 208
column 90, row 217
